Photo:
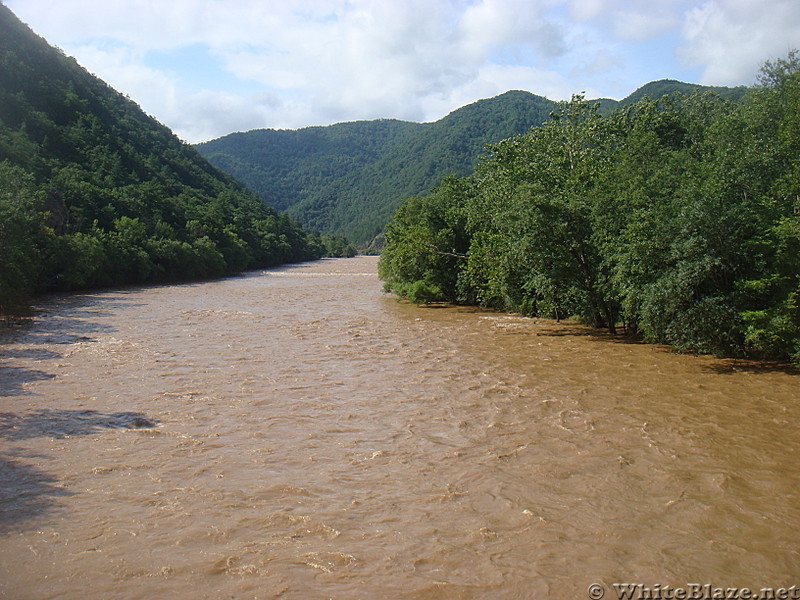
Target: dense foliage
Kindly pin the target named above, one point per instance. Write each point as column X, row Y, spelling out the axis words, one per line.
column 677, row 219
column 281, row 166
column 94, row 192
column 349, row 178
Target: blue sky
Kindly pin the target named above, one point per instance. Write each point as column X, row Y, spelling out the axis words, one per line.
column 206, row 68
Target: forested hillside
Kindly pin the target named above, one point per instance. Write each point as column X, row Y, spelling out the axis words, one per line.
column 666, row 87
column 349, row 178
column 677, row 219
column 282, row 165
column 94, row 192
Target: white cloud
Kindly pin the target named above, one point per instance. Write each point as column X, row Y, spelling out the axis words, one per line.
column 731, row 39
column 585, row 10
column 490, row 24
column 122, row 68
column 641, row 25
column 632, row 20
column 308, row 62
column 203, row 115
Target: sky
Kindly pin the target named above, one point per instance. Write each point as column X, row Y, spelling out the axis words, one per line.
column 206, row 68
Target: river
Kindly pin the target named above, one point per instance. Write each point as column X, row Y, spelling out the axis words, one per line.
column 298, row 434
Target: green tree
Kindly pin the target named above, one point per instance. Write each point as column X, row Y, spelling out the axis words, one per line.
column 676, row 217
column 426, row 244
column 20, row 227
column 543, row 190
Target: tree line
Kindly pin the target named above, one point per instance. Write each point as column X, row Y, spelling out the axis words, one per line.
column 94, row 192
column 349, row 178
column 677, row 220
column 50, row 244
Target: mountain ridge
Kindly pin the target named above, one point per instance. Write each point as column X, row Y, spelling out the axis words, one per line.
column 94, row 192
column 335, row 186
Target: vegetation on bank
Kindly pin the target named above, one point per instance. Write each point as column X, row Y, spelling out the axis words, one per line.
column 93, row 192
column 349, row 178
column 677, row 219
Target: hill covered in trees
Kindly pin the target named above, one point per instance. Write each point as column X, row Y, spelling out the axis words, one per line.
column 95, row 192
column 349, row 178
column 677, row 219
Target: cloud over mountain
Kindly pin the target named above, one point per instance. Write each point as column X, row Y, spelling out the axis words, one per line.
column 206, row 68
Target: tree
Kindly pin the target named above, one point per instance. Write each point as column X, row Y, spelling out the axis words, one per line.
column 678, row 217
column 426, row 244
column 20, row 227
column 542, row 188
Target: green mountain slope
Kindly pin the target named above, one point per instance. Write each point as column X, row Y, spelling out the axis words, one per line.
column 665, row 87
column 282, row 165
column 360, row 204
column 346, row 179
column 349, row 178
column 95, row 192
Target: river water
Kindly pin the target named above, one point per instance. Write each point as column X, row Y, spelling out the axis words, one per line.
column 298, row 434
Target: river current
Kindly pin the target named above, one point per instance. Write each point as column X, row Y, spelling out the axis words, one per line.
column 296, row 433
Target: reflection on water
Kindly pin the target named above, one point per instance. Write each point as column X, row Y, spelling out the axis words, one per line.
column 297, row 434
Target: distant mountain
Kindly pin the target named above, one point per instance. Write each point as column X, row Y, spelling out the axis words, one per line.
column 281, row 166
column 93, row 191
column 666, row 87
column 349, row 178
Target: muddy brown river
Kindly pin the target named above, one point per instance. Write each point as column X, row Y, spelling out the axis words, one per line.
column 298, row 434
